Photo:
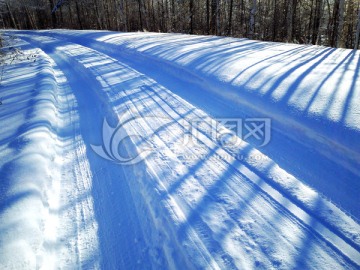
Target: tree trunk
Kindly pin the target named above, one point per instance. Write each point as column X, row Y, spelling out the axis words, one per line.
column 53, row 15
column 3, row 26
column 78, row 14
column 167, row 16
column 229, row 32
column 275, row 24
column 191, row 16
column 99, row 21
column 140, row 16
column 70, row 15
column 316, row 24
column 11, row 16
column 357, row 31
column 107, row 15
column 340, row 28
column 123, row 15
column 213, row 17
column 295, row 21
column 61, row 17
column 173, row 20
column 208, row 17
column 350, row 23
column 252, row 20
column 127, row 14
column 28, row 15
column 290, row 16
column 242, row 14
column 146, row 19
column 218, row 29
column 310, row 22
column 154, row 25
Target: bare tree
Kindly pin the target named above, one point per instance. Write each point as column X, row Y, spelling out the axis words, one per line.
column 357, row 30
column 218, row 28
column 290, row 16
column 229, row 30
column 316, row 23
column 252, row 19
column 11, row 14
column 208, row 17
column 297, row 21
column 339, row 41
column 213, row 21
column 191, row 7
column 123, row 15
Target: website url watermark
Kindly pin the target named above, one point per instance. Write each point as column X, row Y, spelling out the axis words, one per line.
column 133, row 139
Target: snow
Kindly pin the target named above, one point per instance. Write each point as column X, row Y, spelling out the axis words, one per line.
column 99, row 169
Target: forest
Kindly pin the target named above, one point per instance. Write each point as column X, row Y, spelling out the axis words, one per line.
column 334, row 23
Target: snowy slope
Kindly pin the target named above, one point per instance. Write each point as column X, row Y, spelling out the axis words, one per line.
column 292, row 204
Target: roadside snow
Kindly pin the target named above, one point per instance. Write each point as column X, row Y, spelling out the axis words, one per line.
column 37, row 184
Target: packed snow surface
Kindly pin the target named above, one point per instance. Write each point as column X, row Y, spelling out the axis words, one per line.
column 169, row 151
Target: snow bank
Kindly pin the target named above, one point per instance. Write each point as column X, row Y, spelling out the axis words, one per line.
column 28, row 166
column 41, row 213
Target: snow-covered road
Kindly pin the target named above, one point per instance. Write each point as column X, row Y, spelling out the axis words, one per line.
column 77, row 190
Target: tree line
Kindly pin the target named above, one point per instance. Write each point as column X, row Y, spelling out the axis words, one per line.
column 334, row 23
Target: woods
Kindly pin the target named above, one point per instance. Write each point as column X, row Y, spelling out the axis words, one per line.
column 334, row 23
